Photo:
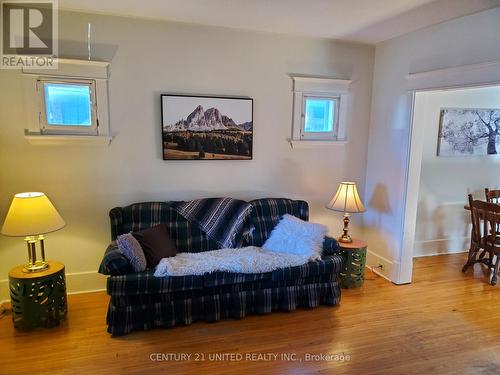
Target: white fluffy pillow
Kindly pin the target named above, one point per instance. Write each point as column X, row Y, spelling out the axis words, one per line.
column 295, row 236
column 132, row 250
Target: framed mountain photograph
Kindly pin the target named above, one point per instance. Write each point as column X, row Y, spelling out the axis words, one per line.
column 206, row 127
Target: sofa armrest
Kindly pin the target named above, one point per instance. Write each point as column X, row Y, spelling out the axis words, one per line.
column 116, row 221
column 114, row 263
column 330, row 246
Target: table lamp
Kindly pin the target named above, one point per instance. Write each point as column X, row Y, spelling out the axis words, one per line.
column 346, row 200
column 31, row 215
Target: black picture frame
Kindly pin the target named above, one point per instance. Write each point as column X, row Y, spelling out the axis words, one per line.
column 191, row 131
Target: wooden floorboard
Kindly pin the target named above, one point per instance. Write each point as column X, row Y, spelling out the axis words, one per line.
column 445, row 322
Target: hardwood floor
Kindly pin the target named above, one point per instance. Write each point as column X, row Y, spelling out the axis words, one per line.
column 445, row 322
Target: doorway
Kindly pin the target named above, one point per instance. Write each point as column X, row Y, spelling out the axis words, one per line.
column 457, row 127
column 424, row 87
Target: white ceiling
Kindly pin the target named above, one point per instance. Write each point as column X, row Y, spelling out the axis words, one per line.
column 366, row 21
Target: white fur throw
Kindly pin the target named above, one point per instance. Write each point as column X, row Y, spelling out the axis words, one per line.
column 244, row 260
column 295, row 236
column 132, row 250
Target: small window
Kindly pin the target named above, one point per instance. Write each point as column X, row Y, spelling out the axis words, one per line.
column 68, row 107
column 320, row 110
column 319, row 118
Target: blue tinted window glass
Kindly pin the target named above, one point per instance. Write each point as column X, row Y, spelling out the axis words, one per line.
column 67, row 104
column 319, row 115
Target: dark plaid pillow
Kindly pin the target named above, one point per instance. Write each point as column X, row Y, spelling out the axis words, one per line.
column 156, row 244
column 114, row 263
column 266, row 214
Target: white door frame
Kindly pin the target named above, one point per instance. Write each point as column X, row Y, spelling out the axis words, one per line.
column 477, row 75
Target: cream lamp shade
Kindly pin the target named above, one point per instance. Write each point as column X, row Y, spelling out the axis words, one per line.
column 346, row 199
column 31, row 214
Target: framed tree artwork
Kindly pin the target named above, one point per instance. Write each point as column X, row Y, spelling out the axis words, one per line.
column 206, row 127
column 464, row 131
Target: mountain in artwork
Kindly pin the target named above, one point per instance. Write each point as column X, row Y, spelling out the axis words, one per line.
column 209, row 120
column 248, row 126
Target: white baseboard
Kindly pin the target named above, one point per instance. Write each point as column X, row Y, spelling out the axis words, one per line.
column 77, row 282
column 441, row 246
column 373, row 261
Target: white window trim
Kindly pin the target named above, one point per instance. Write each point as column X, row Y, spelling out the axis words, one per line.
column 304, row 86
column 68, row 69
column 37, row 139
column 46, row 128
column 314, row 144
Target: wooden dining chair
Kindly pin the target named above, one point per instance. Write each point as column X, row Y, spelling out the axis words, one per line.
column 476, row 253
column 485, row 236
column 492, row 196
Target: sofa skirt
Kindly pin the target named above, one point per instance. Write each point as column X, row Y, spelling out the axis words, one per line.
column 129, row 313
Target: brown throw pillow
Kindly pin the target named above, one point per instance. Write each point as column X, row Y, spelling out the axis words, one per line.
column 156, row 244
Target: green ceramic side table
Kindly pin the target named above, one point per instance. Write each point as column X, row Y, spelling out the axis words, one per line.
column 353, row 270
column 38, row 298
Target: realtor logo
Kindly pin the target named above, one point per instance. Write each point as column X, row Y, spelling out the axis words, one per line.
column 29, row 34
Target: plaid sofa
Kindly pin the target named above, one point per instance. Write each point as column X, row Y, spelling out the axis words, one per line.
column 140, row 301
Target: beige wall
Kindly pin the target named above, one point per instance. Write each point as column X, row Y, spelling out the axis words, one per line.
column 443, row 226
column 467, row 40
column 148, row 58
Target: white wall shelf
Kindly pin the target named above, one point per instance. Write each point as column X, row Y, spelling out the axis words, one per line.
column 66, row 140
column 74, row 68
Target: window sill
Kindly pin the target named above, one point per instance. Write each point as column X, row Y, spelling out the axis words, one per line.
column 66, row 140
column 313, row 144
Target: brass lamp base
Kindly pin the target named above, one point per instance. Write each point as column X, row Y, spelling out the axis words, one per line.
column 345, row 238
column 35, row 267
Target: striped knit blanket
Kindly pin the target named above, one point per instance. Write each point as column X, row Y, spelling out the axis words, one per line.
column 222, row 219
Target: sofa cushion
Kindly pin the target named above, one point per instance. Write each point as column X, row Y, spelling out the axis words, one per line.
column 266, row 214
column 228, row 278
column 138, row 283
column 331, row 264
column 156, row 244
